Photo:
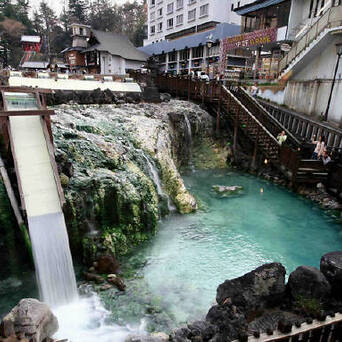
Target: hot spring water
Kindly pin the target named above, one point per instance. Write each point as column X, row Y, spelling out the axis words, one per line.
column 177, row 273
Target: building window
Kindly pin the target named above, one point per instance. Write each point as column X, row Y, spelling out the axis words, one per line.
column 153, row 2
column 160, row 12
column 191, row 2
column 153, row 16
column 232, row 7
column 197, row 52
column 204, row 10
column 170, row 8
column 153, row 29
column 170, row 23
column 172, row 56
column 160, row 27
column 192, row 15
column 179, row 4
column 179, row 19
column 184, row 55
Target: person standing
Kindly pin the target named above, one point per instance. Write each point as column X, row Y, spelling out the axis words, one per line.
column 319, row 149
column 281, row 137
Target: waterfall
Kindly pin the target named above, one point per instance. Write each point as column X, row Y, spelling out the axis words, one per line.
column 52, row 258
column 154, row 174
column 188, row 136
column 188, row 142
column 48, row 233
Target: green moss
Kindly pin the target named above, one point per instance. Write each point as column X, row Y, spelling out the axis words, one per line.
column 308, row 306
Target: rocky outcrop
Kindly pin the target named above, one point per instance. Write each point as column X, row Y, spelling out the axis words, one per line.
column 255, row 290
column 30, row 319
column 308, row 283
column 119, row 169
column 331, row 267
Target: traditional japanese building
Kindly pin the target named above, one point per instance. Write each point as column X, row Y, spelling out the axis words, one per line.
column 101, row 52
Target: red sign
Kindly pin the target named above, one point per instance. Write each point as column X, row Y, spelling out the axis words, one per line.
column 256, row 38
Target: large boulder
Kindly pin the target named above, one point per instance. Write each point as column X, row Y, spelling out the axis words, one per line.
column 30, row 319
column 308, row 283
column 331, row 267
column 260, row 288
column 229, row 322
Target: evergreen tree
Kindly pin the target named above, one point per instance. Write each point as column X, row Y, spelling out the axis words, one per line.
column 78, row 10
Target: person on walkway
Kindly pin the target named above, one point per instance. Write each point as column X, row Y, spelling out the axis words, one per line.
column 281, row 137
column 326, row 158
column 320, row 147
column 255, row 90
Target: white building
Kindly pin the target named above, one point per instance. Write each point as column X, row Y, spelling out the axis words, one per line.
column 170, row 19
column 310, row 66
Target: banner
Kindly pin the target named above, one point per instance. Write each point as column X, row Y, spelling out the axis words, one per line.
column 250, row 39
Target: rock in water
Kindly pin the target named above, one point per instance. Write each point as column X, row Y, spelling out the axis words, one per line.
column 222, row 189
column 107, row 264
column 263, row 287
column 309, row 283
column 31, row 319
column 331, row 267
column 117, row 281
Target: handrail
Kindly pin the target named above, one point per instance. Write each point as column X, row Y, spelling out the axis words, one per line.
column 251, row 115
column 309, row 126
column 270, row 117
column 333, row 18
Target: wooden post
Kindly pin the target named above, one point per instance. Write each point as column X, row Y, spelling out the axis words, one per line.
column 236, row 128
column 218, row 111
column 10, row 193
column 15, row 206
column 255, row 148
column 189, row 87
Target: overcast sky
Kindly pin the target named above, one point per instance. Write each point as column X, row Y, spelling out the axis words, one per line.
column 57, row 5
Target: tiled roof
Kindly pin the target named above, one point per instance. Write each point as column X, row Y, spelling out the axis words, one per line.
column 256, row 5
column 117, row 44
column 219, row 32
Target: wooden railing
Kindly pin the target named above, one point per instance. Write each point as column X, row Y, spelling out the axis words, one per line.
column 265, row 117
column 330, row 19
column 328, row 329
column 304, row 128
column 223, row 99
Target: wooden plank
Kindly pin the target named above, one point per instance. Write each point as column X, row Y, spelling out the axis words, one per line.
column 25, row 90
column 27, row 112
column 10, row 193
column 53, row 161
column 21, row 193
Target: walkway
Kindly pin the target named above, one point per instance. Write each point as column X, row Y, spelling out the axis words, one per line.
column 246, row 115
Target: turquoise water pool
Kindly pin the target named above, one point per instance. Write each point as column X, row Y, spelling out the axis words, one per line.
column 227, row 237
column 175, row 275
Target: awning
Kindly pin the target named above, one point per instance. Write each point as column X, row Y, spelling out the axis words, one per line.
column 257, row 5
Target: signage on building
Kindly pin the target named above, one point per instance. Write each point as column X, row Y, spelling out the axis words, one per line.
column 250, row 39
column 285, row 47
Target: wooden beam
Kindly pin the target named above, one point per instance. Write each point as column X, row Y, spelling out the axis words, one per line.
column 50, row 148
column 25, row 90
column 10, row 193
column 16, row 167
column 27, row 112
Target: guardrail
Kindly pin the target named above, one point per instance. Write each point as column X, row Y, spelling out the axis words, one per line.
column 330, row 19
column 305, row 128
column 70, row 76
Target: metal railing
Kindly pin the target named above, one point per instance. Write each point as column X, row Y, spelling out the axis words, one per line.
column 305, row 128
column 330, row 19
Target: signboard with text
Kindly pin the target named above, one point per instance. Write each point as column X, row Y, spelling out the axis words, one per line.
column 250, row 39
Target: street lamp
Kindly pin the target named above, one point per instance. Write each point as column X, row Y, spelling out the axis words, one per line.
column 339, row 54
column 210, row 41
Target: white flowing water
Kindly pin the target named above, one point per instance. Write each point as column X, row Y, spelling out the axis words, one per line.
column 52, row 258
column 50, row 244
column 154, row 174
column 86, row 320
